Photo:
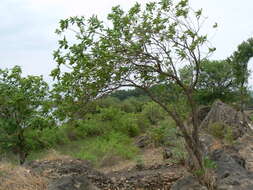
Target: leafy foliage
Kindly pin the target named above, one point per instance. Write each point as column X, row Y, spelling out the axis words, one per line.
column 24, row 106
column 140, row 48
column 216, row 81
column 239, row 61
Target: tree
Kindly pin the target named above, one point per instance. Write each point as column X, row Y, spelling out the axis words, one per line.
column 139, row 48
column 239, row 60
column 216, row 81
column 23, row 106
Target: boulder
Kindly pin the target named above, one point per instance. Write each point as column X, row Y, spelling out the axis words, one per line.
column 230, row 172
column 226, row 116
column 202, row 112
column 188, row 183
column 245, row 147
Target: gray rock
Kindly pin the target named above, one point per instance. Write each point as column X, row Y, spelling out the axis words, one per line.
column 72, row 183
column 167, row 153
column 188, row 183
column 231, row 173
column 228, row 117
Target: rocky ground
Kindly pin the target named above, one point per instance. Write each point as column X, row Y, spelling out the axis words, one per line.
column 72, row 174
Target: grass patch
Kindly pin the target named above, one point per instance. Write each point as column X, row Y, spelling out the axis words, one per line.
column 222, row 132
column 101, row 149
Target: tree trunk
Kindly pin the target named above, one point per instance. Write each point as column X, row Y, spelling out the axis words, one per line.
column 22, row 153
column 194, row 148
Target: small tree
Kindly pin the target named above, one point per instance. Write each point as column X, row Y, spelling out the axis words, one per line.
column 22, row 107
column 216, row 81
column 139, row 48
column 239, row 61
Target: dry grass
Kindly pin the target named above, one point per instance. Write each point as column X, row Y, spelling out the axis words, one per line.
column 19, row 178
column 52, row 155
column 149, row 157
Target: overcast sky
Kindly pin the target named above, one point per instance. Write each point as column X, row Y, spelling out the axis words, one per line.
column 27, row 27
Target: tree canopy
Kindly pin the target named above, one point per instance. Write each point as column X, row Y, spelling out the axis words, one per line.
column 216, row 81
column 239, row 61
column 140, row 48
column 23, row 106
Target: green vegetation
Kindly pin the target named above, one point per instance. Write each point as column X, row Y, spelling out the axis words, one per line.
column 23, row 107
column 222, row 132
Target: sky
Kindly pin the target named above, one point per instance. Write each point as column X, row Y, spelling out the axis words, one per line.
column 27, row 27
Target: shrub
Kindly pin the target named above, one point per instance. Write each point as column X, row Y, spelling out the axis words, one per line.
column 89, row 128
column 128, row 125
column 53, row 136
column 113, row 144
column 217, row 130
column 153, row 112
column 142, row 122
column 222, row 132
column 47, row 138
column 179, row 152
column 164, row 133
column 229, row 137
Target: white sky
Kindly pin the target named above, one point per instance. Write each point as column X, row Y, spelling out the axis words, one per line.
column 27, row 27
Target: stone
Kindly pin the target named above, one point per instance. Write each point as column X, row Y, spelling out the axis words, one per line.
column 72, row 183
column 227, row 116
column 142, row 141
column 231, row 173
column 167, row 153
column 188, row 183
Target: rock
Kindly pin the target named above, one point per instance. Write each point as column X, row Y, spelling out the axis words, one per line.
column 202, row 112
column 207, row 142
column 230, row 172
column 167, row 153
column 245, row 147
column 70, row 174
column 72, row 183
column 226, row 116
column 188, row 183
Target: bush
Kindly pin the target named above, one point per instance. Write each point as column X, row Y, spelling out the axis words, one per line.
column 113, row 144
column 229, row 137
column 179, row 152
column 153, row 112
column 54, row 136
column 164, row 133
column 217, row 130
column 222, row 132
column 142, row 122
column 47, row 138
column 89, row 128
column 128, row 125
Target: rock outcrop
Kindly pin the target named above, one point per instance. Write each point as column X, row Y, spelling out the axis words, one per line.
column 70, row 174
column 224, row 114
column 234, row 162
column 231, row 173
column 79, row 175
